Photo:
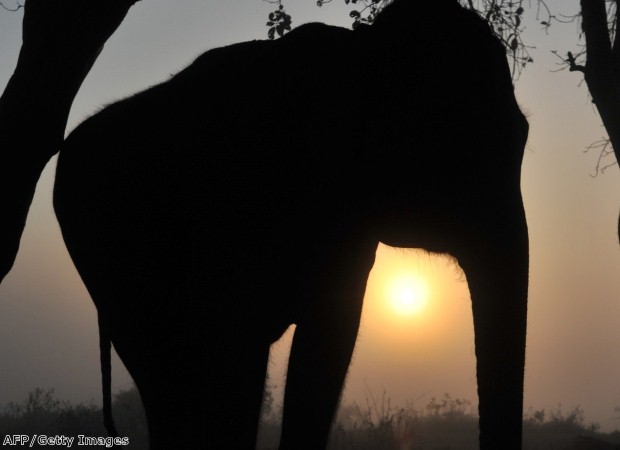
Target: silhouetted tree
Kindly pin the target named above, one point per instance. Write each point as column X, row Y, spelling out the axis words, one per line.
column 602, row 65
column 61, row 41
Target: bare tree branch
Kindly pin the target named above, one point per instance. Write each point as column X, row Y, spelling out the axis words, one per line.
column 17, row 7
column 605, row 150
column 572, row 64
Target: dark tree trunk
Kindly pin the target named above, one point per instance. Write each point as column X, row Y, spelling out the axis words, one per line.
column 602, row 69
column 61, row 41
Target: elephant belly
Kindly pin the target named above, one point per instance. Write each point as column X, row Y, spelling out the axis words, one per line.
column 239, row 242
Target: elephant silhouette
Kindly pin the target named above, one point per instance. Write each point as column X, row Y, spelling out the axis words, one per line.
column 249, row 192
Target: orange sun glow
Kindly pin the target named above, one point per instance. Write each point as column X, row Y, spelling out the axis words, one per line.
column 407, row 294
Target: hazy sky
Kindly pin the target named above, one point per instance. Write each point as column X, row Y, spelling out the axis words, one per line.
column 48, row 335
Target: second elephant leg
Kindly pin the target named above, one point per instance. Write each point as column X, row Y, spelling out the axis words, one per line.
column 320, row 355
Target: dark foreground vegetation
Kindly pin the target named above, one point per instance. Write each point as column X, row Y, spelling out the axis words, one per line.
column 443, row 424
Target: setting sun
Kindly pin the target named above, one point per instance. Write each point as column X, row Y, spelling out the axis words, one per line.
column 408, row 294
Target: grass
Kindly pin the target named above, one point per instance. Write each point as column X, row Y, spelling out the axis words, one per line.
column 443, row 424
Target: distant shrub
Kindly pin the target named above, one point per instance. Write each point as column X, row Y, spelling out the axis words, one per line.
column 43, row 414
column 443, row 424
column 559, row 430
column 451, row 424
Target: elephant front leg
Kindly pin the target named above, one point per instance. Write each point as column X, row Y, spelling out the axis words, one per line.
column 319, row 360
column 320, row 355
column 497, row 274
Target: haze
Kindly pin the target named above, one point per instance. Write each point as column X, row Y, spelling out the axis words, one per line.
column 48, row 334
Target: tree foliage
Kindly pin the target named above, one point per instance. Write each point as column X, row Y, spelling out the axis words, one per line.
column 504, row 16
column 279, row 22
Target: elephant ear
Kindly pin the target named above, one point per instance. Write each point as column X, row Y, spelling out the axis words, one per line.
column 105, row 356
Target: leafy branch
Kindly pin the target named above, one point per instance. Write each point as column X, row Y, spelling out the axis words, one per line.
column 278, row 21
column 504, row 16
column 369, row 11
